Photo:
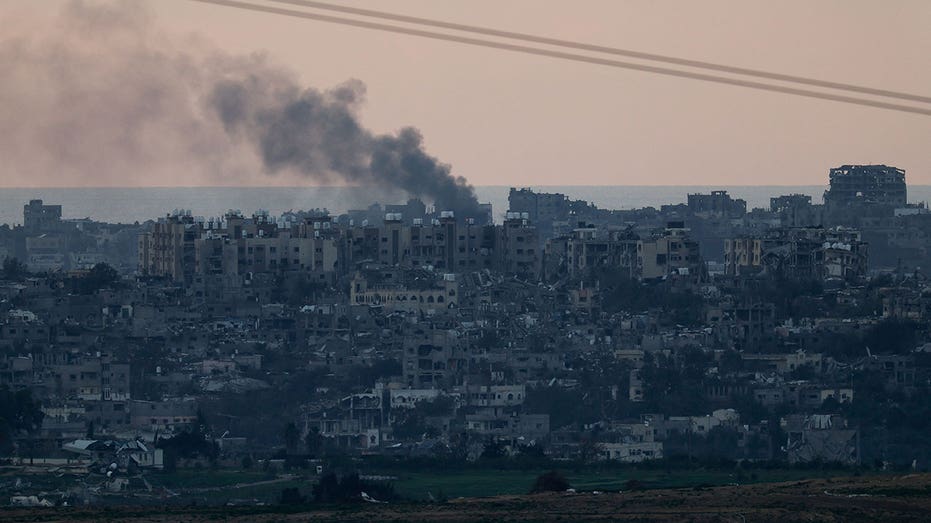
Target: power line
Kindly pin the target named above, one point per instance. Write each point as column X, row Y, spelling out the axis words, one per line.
column 571, row 57
column 607, row 50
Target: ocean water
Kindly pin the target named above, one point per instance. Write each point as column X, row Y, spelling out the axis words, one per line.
column 127, row 205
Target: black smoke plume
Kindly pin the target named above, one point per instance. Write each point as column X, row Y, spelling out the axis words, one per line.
column 318, row 134
column 102, row 97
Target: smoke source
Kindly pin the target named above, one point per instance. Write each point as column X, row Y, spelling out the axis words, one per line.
column 103, row 98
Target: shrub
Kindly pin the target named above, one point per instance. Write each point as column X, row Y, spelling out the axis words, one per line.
column 551, row 481
column 291, row 496
column 349, row 488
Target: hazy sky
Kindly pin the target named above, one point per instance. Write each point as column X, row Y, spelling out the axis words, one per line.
column 501, row 118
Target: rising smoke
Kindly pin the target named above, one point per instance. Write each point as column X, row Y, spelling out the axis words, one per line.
column 104, row 98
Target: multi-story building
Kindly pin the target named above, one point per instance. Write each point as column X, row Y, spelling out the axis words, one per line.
column 743, row 255
column 179, row 246
column 799, row 253
column 589, row 248
column 431, row 357
column 796, row 210
column 718, row 203
column 866, row 184
column 670, row 253
column 541, row 208
column 92, row 378
column 162, row 415
column 518, row 247
column 46, row 252
column 168, row 249
column 38, row 217
column 426, row 294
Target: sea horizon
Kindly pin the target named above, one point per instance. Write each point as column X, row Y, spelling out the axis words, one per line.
column 131, row 204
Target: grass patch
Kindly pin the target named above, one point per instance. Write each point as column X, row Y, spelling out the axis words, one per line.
column 482, row 483
column 190, row 478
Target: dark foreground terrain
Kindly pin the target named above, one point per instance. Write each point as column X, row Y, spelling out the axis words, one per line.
column 887, row 499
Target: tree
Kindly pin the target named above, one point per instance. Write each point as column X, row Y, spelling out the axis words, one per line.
column 633, row 485
column 99, row 277
column 366, row 375
column 675, row 384
column 314, row 442
column 333, row 489
column 295, row 289
column 730, row 363
column 533, row 451
column 189, row 444
column 551, row 481
column 719, row 443
column 788, row 295
column 589, row 450
column 19, row 412
column 13, row 269
column 439, row 406
column 291, row 496
column 803, row 372
column 292, row 437
column 564, row 406
column 620, row 292
column 493, row 449
column 412, row 423
column 892, row 336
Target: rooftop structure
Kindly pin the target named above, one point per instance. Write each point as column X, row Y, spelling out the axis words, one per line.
column 718, row 203
column 40, row 217
column 871, row 184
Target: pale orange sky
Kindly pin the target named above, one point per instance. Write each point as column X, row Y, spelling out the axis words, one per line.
column 501, row 118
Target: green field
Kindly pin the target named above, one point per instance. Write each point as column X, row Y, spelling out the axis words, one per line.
column 193, row 478
column 479, row 483
column 224, row 485
column 221, row 486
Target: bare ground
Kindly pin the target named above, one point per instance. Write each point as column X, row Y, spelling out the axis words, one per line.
column 887, row 499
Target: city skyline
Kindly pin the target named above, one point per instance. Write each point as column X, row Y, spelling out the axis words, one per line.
column 351, row 260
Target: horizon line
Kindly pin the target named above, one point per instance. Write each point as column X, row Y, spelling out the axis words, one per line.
column 72, row 187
